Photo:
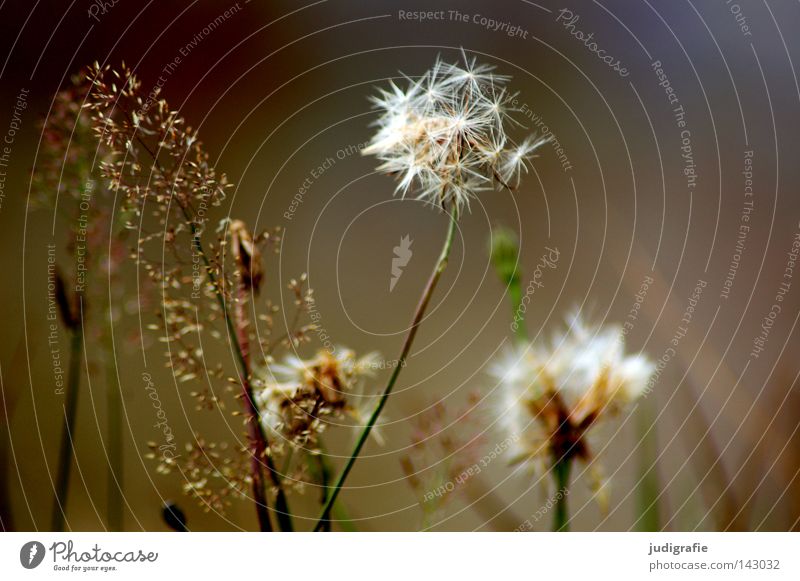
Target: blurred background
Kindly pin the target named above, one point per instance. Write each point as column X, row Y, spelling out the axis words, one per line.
column 639, row 191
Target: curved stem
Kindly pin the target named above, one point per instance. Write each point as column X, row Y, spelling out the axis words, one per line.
column 441, row 264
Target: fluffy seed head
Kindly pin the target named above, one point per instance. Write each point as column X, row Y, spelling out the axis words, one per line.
column 444, row 136
column 553, row 393
column 299, row 398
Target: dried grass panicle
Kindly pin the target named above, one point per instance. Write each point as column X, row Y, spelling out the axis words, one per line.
column 157, row 158
column 213, row 473
column 209, row 282
column 66, row 179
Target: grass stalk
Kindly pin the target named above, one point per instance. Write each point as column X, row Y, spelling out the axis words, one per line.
column 114, row 509
column 67, row 450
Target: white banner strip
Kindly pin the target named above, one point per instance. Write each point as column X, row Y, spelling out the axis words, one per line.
column 371, row 556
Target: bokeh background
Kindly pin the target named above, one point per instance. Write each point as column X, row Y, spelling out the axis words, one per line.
column 277, row 88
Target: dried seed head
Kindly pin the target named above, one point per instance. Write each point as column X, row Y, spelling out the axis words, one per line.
column 445, row 135
column 299, row 398
column 246, row 255
column 553, row 393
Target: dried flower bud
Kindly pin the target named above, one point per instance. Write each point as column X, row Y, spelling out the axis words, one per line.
column 246, row 255
column 504, row 252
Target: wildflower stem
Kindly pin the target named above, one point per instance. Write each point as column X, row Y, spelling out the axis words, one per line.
column 648, row 489
column 561, row 469
column 115, row 459
column 260, row 443
column 425, row 299
column 67, row 450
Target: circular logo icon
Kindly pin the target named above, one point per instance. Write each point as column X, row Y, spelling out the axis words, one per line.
column 31, row 554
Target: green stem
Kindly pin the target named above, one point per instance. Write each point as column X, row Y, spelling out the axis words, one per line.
column 648, row 492
column 441, row 264
column 115, row 458
column 515, row 298
column 324, row 473
column 321, row 471
column 561, row 470
column 67, row 450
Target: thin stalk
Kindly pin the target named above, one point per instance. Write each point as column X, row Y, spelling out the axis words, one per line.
column 67, row 451
column 649, row 491
column 425, row 299
column 260, row 445
column 515, row 298
column 504, row 255
column 561, row 469
column 321, row 471
column 324, row 478
column 115, row 458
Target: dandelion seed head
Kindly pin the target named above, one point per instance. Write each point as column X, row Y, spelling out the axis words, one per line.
column 551, row 393
column 298, row 398
column 444, row 136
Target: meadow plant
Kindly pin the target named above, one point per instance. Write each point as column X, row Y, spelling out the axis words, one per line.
column 209, row 280
column 445, row 138
column 555, row 392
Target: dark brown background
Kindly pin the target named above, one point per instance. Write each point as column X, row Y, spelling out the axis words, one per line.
column 277, row 89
